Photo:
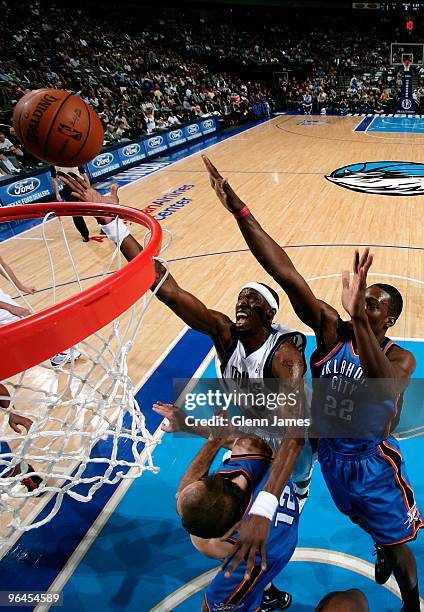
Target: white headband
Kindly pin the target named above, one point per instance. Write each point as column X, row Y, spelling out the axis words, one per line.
column 265, row 293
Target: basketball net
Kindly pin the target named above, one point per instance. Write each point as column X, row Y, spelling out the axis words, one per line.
column 406, row 65
column 87, row 427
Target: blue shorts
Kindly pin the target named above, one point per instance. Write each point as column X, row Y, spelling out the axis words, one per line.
column 6, row 457
column 373, row 490
column 236, row 593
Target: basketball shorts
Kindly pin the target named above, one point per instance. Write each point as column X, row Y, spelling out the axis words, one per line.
column 373, row 490
column 236, row 593
column 5, row 460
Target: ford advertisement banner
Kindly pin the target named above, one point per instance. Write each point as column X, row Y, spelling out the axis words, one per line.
column 132, row 152
column 103, row 164
column 192, row 131
column 27, row 190
column 33, row 189
column 208, row 126
column 156, row 144
column 176, row 137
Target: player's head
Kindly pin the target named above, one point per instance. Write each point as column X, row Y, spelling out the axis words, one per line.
column 384, row 305
column 352, row 600
column 256, row 307
column 2, row 136
column 211, row 506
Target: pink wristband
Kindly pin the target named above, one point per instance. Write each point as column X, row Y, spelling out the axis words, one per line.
column 242, row 213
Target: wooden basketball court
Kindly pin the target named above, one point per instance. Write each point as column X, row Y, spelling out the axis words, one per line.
column 278, row 168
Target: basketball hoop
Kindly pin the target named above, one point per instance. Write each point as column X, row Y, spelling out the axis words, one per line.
column 87, row 428
column 406, row 65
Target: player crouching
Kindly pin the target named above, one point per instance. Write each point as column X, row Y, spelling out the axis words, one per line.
column 210, row 507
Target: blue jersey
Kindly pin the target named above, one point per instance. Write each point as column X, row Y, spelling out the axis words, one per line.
column 236, row 593
column 343, row 408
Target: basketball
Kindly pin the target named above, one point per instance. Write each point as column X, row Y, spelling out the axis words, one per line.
column 58, row 127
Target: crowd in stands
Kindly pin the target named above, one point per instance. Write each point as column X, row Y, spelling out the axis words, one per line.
column 146, row 74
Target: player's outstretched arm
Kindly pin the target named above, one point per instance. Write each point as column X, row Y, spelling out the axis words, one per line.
column 16, row 421
column 7, row 272
column 185, row 305
column 269, row 254
column 253, row 530
column 200, row 465
column 394, row 369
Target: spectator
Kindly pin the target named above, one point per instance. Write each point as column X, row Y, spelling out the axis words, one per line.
column 110, row 135
column 11, row 153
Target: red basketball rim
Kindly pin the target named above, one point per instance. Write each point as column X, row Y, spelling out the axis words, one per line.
column 40, row 336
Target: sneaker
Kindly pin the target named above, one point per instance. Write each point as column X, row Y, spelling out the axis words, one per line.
column 32, row 482
column 382, row 568
column 278, row 600
column 61, row 359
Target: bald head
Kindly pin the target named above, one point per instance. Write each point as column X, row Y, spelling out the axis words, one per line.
column 352, row 600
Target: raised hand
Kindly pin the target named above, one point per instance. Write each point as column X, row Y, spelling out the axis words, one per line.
column 253, row 533
column 225, row 193
column 174, row 415
column 26, row 289
column 18, row 311
column 353, row 293
column 16, row 421
column 82, row 190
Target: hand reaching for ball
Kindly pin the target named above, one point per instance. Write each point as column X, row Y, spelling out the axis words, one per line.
column 82, row 191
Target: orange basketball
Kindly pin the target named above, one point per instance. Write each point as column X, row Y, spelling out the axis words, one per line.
column 58, row 127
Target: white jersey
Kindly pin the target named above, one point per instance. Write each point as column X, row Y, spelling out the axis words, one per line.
column 251, row 371
column 258, row 365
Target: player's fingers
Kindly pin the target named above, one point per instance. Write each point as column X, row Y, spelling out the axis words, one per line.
column 368, row 262
column 15, row 427
column 363, row 258
column 250, row 562
column 356, row 261
column 210, row 167
column 160, row 409
column 114, row 189
column 263, row 556
column 345, row 279
column 235, row 561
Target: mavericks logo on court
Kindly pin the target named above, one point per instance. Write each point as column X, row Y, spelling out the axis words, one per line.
column 395, row 178
column 24, row 187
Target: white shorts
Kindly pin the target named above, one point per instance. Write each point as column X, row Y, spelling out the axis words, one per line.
column 5, row 316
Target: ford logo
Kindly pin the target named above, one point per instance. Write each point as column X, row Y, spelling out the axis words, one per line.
column 176, row 134
column 156, row 141
column 208, row 123
column 192, row 129
column 23, row 187
column 131, row 149
column 103, row 160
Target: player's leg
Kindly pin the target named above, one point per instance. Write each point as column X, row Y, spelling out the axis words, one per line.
column 352, row 600
column 302, row 473
column 81, row 226
column 404, row 568
column 373, row 490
